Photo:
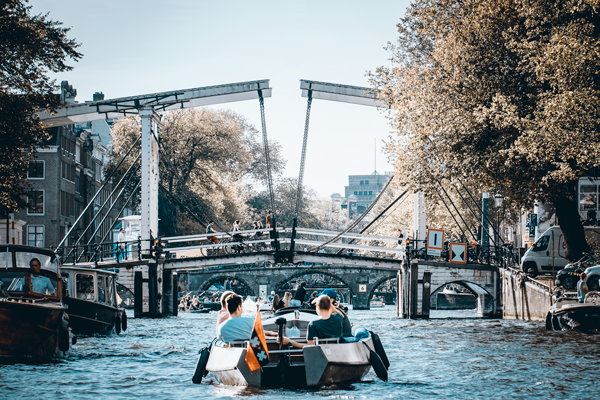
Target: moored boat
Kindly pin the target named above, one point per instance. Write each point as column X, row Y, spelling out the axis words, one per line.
column 92, row 301
column 569, row 314
column 327, row 362
column 32, row 315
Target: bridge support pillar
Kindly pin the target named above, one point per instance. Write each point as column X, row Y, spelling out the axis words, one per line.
column 138, row 294
column 425, row 299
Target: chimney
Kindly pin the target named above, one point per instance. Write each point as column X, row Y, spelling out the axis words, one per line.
column 67, row 93
column 98, row 96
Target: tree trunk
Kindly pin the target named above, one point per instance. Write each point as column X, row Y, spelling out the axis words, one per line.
column 570, row 222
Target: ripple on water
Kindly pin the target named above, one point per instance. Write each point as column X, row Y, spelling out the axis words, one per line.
column 457, row 358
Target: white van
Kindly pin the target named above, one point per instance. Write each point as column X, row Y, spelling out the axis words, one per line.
column 549, row 251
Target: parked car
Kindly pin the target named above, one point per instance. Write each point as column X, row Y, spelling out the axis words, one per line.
column 589, row 282
column 549, row 251
column 569, row 276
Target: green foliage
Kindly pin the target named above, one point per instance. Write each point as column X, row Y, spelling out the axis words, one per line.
column 30, row 48
column 501, row 94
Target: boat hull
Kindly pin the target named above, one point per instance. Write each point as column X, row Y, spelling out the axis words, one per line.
column 583, row 317
column 30, row 329
column 88, row 317
column 313, row 366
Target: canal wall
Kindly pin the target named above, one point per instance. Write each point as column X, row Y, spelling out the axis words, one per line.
column 523, row 297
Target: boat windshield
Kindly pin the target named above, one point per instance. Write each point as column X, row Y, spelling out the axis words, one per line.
column 23, row 259
column 12, row 281
column 106, row 293
column 17, row 281
column 84, row 286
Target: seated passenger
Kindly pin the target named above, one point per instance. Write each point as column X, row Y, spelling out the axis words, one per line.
column 277, row 304
column 328, row 326
column 236, row 327
column 223, row 313
column 335, row 308
column 39, row 284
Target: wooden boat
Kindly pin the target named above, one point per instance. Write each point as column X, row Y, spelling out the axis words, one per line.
column 92, row 301
column 569, row 314
column 328, row 362
column 32, row 315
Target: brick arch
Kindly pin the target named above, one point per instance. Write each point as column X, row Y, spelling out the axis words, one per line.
column 279, row 284
column 207, row 283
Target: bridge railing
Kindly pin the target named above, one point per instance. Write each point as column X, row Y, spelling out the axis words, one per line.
column 107, row 252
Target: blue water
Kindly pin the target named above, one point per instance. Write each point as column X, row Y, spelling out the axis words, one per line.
column 462, row 357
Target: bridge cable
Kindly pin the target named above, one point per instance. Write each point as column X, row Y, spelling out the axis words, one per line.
column 376, row 218
column 301, row 173
column 263, row 122
column 480, row 210
column 139, row 185
column 99, row 209
column 131, row 176
column 450, row 212
column 458, row 212
column 472, row 212
column 106, row 180
column 359, row 218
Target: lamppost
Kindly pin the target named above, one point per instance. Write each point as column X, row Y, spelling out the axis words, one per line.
column 498, row 199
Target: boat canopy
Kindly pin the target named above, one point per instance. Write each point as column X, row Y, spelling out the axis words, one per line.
column 19, row 256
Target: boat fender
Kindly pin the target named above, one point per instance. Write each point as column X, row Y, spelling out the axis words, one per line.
column 379, row 349
column 548, row 322
column 200, row 370
column 63, row 339
column 377, row 364
column 556, row 323
column 118, row 324
column 124, row 321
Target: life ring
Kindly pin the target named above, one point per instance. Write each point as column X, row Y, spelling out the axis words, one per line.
column 379, row 349
column 124, row 321
column 118, row 324
column 200, row 370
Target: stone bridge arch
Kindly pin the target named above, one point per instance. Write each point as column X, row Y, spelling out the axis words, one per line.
column 377, row 284
column 298, row 274
column 209, row 282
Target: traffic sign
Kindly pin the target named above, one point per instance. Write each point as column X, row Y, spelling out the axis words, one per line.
column 458, row 253
column 534, row 219
column 362, row 288
column 435, row 242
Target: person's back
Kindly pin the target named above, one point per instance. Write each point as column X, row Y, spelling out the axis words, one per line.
column 325, row 328
column 236, row 327
column 300, row 292
column 239, row 328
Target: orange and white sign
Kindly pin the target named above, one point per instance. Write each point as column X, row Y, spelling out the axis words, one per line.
column 458, row 253
column 435, row 242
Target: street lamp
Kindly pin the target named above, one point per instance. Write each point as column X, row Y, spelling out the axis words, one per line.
column 498, row 199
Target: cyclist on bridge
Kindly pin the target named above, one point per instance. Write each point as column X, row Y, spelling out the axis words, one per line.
column 209, row 229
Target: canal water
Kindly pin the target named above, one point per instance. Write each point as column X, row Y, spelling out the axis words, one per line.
column 463, row 357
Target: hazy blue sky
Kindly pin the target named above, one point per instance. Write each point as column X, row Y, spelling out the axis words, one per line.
column 137, row 47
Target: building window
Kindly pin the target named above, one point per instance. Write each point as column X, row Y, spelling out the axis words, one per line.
column 35, row 235
column 35, row 202
column 588, row 195
column 355, row 193
column 370, row 193
column 67, row 204
column 77, row 182
column 366, row 182
column 362, row 182
column 360, row 193
column 68, row 171
column 35, row 170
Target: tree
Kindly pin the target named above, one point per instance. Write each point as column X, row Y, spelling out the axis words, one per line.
column 499, row 95
column 30, row 48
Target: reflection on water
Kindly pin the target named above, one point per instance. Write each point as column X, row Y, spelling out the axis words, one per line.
column 462, row 357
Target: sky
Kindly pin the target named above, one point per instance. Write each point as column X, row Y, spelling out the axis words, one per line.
column 137, row 47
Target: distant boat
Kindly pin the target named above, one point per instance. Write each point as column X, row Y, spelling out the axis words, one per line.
column 376, row 302
column 32, row 314
column 92, row 301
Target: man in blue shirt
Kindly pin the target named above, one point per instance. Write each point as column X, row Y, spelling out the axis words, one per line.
column 328, row 326
column 39, row 284
column 236, row 327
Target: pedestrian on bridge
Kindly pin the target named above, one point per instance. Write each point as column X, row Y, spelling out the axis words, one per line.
column 237, row 236
column 210, row 229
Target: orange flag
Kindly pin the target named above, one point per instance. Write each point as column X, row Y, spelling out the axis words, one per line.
column 257, row 354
